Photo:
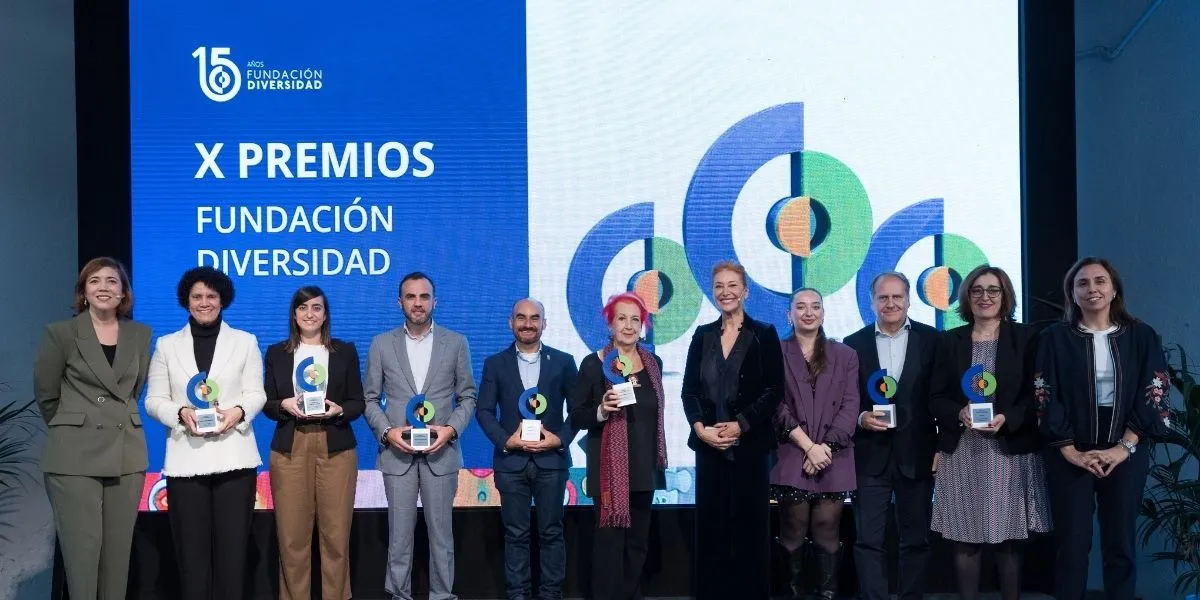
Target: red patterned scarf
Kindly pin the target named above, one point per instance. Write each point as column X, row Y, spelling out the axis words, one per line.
column 614, row 447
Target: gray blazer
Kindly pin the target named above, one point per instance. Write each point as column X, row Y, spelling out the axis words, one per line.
column 449, row 386
column 90, row 408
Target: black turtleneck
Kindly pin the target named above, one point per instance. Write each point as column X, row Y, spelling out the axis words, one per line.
column 204, row 341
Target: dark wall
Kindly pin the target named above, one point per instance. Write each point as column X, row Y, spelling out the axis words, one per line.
column 37, row 243
column 1139, row 201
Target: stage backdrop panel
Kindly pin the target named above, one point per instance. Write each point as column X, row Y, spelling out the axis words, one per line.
column 567, row 151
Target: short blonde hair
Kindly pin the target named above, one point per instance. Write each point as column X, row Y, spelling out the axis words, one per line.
column 730, row 265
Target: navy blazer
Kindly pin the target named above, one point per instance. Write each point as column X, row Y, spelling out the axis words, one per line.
column 1065, row 389
column 498, row 415
column 914, row 440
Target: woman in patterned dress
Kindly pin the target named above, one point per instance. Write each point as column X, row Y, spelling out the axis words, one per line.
column 816, row 418
column 991, row 487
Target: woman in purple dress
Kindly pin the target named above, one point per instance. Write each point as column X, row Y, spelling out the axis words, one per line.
column 815, row 472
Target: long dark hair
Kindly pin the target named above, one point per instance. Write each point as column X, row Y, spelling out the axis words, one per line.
column 818, row 360
column 301, row 296
column 1117, row 312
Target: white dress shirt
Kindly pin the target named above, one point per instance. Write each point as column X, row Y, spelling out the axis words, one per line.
column 420, row 353
column 892, row 349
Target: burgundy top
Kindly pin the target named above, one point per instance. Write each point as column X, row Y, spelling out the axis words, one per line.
column 826, row 413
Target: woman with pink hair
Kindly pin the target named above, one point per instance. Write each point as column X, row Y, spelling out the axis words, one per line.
column 626, row 446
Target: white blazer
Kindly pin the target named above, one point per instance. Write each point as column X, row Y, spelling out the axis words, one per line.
column 237, row 367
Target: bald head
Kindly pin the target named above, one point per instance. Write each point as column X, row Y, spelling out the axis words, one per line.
column 528, row 304
column 527, row 321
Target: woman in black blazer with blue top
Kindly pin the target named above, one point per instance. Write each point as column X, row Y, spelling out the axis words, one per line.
column 314, row 465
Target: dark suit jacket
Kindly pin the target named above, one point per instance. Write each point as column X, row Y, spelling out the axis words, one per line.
column 91, row 408
column 585, row 402
column 498, row 415
column 344, row 388
column 1015, row 356
column 913, row 442
column 760, row 386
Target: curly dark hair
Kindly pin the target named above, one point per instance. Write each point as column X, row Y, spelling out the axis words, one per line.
column 214, row 279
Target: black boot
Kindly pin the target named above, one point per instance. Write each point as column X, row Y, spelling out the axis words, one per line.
column 827, row 567
column 796, row 561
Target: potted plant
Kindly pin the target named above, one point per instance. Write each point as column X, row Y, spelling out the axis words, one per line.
column 1171, row 504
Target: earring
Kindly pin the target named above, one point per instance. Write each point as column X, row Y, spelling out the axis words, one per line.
column 85, row 302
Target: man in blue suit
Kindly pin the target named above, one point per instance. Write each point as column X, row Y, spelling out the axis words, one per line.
column 529, row 470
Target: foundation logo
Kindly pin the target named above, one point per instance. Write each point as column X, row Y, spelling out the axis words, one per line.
column 221, row 79
column 823, row 223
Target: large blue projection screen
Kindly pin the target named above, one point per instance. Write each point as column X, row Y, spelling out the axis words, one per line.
column 566, row 151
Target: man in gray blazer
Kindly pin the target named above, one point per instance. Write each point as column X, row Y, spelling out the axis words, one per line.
column 419, row 358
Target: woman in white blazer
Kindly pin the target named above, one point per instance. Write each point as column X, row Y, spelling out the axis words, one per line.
column 210, row 476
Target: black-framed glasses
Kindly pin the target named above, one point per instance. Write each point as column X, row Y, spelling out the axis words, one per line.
column 992, row 292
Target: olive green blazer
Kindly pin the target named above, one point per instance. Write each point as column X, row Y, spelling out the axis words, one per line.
column 90, row 407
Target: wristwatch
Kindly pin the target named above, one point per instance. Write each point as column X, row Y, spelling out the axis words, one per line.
column 383, row 439
column 1128, row 445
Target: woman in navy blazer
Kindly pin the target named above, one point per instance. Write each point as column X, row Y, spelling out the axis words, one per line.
column 313, row 463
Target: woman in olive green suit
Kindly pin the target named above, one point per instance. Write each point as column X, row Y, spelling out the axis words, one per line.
column 88, row 375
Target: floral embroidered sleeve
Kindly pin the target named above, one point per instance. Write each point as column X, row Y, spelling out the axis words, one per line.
column 1053, row 418
column 1151, row 413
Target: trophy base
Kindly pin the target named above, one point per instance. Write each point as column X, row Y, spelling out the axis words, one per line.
column 981, row 414
column 312, row 404
column 420, row 439
column 531, row 430
column 206, row 420
column 886, row 413
column 625, row 390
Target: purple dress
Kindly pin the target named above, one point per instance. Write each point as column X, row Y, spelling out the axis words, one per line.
column 827, row 413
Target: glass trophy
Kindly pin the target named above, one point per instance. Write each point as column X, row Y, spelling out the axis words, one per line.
column 420, row 413
column 979, row 386
column 203, row 393
column 882, row 388
column 531, row 404
column 618, row 369
column 311, row 378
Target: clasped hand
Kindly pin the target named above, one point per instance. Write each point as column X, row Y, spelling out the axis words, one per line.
column 817, row 458
column 721, row 435
column 1097, row 462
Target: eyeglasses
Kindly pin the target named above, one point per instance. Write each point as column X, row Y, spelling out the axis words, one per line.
column 992, row 292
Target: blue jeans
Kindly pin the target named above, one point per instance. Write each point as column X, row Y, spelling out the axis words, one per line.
column 546, row 488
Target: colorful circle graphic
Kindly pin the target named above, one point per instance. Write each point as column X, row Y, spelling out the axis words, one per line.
column 202, row 390
column 425, row 411
column 978, row 384
column 665, row 282
column 881, row 387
